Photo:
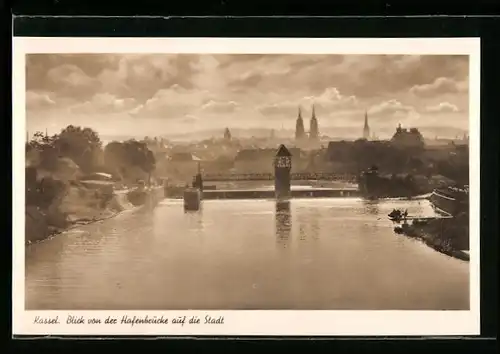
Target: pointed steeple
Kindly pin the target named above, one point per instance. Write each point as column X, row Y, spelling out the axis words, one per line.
column 313, row 130
column 366, row 128
column 227, row 134
column 299, row 126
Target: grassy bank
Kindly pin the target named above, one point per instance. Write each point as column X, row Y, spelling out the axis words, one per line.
column 81, row 206
column 76, row 205
column 448, row 236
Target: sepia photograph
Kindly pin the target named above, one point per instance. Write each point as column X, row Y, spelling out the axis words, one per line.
column 207, row 181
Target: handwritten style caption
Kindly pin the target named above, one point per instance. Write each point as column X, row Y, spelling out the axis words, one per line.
column 130, row 320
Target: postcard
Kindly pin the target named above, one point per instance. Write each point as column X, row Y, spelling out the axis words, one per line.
column 244, row 186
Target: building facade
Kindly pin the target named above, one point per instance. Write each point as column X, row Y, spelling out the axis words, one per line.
column 407, row 138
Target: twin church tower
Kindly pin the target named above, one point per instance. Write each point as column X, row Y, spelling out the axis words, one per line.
column 300, row 134
column 302, row 138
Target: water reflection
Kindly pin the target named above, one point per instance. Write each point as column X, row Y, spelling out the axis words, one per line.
column 283, row 222
column 226, row 257
column 314, row 224
column 371, row 206
column 308, row 223
column 195, row 220
column 302, row 227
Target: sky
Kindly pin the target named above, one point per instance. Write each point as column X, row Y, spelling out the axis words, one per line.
column 162, row 94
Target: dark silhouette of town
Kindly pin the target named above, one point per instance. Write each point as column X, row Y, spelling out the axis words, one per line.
column 406, row 154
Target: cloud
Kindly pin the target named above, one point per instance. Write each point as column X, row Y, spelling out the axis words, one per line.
column 329, row 99
column 278, row 73
column 280, row 108
column 38, row 100
column 173, row 102
column 220, row 107
column 141, row 76
column 82, row 76
column 443, row 107
column 38, row 67
column 104, row 103
column 209, row 88
column 438, row 87
column 391, row 108
column 71, row 81
column 190, row 119
column 379, row 75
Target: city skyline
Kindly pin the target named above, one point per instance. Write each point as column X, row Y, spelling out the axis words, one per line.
column 169, row 93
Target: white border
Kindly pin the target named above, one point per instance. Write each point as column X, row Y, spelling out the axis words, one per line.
column 380, row 323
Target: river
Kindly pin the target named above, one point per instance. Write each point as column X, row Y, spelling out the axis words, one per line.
column 338, row 253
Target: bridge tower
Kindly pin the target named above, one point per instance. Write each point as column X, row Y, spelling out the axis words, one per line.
column 282, row 173
column 198, row 179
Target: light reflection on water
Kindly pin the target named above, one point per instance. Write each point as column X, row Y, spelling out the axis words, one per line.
column 246, row 254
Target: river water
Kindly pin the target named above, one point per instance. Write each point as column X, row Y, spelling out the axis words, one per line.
column 338, row 253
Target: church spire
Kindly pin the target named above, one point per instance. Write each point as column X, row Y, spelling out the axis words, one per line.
column 366, row 128
column 227, row 134
column 299, row 126
column 313, row 130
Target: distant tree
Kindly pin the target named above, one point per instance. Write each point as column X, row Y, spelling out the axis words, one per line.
column 46, row 147
column 120, row 156
column 139, row 155
column 115, row 158
column 82, row 145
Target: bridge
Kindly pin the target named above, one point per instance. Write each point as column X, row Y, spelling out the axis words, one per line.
column 341, row 177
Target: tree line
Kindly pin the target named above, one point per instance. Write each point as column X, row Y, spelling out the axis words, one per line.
column 126, row 161
column 85, row 148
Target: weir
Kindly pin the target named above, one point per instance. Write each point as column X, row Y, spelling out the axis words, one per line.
column 268, row 194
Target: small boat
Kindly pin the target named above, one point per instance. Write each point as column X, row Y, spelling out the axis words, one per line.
column 395, row 215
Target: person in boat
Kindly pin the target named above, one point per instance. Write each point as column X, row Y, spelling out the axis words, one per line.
column 395, row 214
column 405, row 214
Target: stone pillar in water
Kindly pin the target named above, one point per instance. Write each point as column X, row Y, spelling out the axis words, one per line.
column 282, row 173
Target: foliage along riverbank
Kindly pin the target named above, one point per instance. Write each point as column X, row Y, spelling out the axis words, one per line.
column 59, row 192
column 74, row 211
column 449, row 236
column 78, row 206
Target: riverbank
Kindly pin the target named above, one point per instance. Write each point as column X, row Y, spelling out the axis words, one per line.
column 52, row 231
column 79, row 207
column 449, row 236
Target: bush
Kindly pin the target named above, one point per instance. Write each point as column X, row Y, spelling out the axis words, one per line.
column 50, row 190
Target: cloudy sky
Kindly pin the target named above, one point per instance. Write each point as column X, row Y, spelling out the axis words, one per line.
column 127, row 94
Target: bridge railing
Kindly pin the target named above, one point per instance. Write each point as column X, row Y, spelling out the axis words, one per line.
column 239, row 177
column 270, row 176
